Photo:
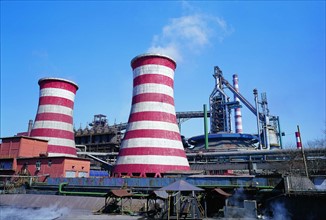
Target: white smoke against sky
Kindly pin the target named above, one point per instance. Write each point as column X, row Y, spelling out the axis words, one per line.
column 189, row 34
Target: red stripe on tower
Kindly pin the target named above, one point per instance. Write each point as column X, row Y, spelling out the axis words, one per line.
column 153, row 78
column 237, row 111
column 50, row 116
column 153, row 97
column 152, row 116
column 152, row 143
column 54, row 118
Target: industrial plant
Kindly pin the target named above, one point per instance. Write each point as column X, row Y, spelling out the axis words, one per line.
column 145, row 167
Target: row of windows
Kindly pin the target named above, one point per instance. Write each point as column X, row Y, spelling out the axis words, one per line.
column 72, row 174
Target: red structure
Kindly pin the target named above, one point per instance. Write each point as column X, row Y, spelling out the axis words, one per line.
column 54, row 118
column 53, row 167
column 28, row 156
column 152, row 143
column 19, row 146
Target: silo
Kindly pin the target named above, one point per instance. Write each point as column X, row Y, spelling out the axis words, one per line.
column 152, row 143
column 54, row 118
column 237, row 111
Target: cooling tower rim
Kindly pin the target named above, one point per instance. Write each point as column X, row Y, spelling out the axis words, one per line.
column 152, row 55
column 57, row 79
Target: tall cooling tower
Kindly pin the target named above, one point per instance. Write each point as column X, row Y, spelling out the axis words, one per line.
column 152, row 143
column 237, row 115
column 54, row 118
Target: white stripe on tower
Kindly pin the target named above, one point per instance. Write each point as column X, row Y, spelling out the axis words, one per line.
column 53, row 125
column 152, row 125
column 237, row 111
column 152, row 107
column 57, row 93
column 154, row 160
column 153, row 68
column 54, row 118
column 152, row 143
column 55, row 109
column 153, row 88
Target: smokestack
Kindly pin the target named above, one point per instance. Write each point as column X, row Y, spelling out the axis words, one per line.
column 237, row 111
column 30, row 126
column 152, row 143
column 54, row 118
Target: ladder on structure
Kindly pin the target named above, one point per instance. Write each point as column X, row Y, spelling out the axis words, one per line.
column 200, row 208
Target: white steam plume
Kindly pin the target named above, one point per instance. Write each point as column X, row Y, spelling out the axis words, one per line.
column 191, row 33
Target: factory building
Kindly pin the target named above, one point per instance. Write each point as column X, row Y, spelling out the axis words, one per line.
column 28, row 156
column 100, row 137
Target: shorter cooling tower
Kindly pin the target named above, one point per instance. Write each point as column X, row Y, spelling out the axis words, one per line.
column 54, row 118
column 152, row 143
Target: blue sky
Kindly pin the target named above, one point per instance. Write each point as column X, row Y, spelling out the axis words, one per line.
column 275, row 46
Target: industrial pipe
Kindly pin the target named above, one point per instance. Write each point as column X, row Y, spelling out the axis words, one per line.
column 205, row 127
column 257, row 116
column 279, row 132
column 61, row 191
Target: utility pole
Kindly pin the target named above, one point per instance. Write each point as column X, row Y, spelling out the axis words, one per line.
column 302, row 150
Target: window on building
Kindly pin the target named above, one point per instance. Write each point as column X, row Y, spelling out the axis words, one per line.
column 82, row 174
column 38, row 165
column 70, row 174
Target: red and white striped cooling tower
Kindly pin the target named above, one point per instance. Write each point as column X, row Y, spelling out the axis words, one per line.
column 237, row 115
column 152, row 143
column 54, row 118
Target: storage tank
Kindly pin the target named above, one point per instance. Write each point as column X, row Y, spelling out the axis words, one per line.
column 54, row 118
column 152, row 142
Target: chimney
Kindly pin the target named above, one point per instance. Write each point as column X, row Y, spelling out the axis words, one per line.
column 30, row 126
column 237, row 111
